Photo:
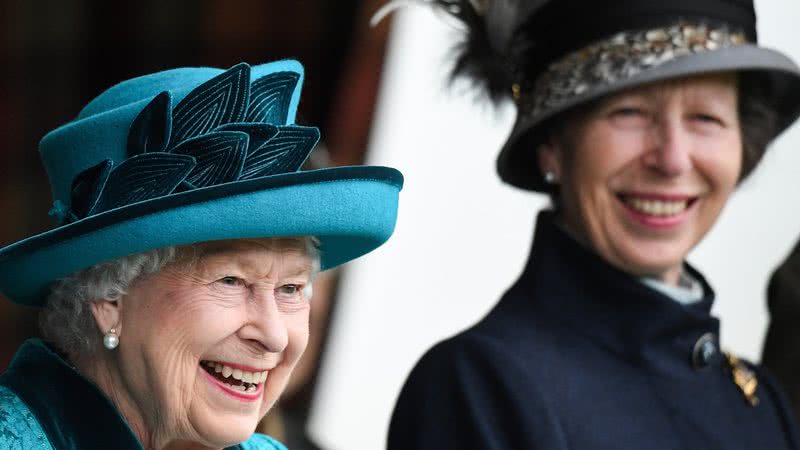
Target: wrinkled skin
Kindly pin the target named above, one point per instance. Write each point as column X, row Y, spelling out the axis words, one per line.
column 676, row 141
column 238, row 302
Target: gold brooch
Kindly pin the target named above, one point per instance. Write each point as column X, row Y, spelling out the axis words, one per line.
column 744, row 378
column 516, row 92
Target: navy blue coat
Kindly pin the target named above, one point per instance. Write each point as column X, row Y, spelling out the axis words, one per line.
column 579, row 355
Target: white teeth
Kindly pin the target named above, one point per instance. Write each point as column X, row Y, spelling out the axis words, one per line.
column 657, row 207
column 238, row 374
column 252, row 388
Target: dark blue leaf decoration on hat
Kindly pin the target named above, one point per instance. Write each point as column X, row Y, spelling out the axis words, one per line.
column 284, row 153
column 223, row 131
column 270, row 97
column 259, row 133
column 142, row 177
column 220, row 100
column 220, row 157
column 151, row 129
column 87, row 187
column 60, row 213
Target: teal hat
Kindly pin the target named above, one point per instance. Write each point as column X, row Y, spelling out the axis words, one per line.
column 191, row 155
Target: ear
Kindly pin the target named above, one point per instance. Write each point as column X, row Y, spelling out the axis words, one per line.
column 107, row 315
column 549, row 155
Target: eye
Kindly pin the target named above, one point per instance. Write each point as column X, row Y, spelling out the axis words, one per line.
column 707, row 118
column 629, row 117
column 231, row 281
column 705, row 123
column 289, row 291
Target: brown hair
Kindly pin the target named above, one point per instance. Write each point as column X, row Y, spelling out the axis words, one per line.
column 758, row 121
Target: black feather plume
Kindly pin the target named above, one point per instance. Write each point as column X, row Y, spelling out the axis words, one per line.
column 476, row 58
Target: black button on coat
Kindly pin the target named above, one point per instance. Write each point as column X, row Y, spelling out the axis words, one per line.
column 581, row 356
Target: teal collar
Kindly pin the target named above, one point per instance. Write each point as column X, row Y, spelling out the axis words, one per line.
column 72, row 411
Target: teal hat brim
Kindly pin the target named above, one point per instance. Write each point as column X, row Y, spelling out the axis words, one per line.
column 351, row 210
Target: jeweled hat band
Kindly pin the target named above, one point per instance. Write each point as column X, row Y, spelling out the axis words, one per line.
column 560, row 27
column 620, row 57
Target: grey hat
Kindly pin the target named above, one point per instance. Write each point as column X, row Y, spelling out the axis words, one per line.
column 553, row 55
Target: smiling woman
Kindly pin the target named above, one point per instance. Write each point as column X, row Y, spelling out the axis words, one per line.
column 176, row 288
column 645, row 173
column 638, row 119
column 235, row 309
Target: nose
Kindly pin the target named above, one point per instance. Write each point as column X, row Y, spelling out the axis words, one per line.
column 265, row 325
column 670, row 147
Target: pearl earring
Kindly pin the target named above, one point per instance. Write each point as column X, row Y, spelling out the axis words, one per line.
column 549, row 177
column 110, row 339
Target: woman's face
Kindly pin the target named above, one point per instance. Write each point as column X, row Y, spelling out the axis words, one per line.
column 207, row 347
column 645, row 174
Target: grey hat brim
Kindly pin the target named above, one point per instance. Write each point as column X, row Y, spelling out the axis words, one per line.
column 517, row 163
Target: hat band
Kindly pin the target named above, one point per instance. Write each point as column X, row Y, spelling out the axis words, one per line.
column 618, row 58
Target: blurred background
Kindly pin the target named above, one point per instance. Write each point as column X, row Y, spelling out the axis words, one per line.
column 379, row 96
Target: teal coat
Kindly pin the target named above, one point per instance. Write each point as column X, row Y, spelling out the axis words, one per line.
column 45, row 404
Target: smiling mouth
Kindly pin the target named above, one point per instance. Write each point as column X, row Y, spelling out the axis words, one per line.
column 657, row 207
column 234, row 378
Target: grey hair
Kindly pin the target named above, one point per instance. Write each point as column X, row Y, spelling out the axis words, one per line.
column 67, row 320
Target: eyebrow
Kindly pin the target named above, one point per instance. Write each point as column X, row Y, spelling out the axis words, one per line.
column 304, row 268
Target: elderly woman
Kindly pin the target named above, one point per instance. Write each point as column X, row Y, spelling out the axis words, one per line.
column 639, row 119
column 175, row 291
